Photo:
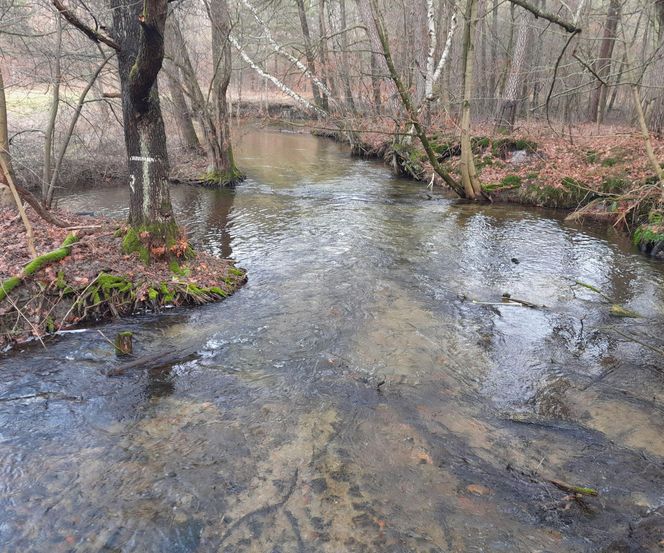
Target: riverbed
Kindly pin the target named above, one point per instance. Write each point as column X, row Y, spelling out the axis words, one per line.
column 367, row 390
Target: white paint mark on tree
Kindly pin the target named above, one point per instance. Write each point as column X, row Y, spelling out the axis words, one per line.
column 143, row 159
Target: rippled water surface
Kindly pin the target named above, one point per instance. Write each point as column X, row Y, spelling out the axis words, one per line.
column 365, row 391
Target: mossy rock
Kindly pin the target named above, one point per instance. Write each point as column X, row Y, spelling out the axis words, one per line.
column 649, row 238
column 222, row 179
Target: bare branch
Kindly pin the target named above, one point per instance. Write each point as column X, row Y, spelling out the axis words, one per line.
column 548, row 16
column 85, row 29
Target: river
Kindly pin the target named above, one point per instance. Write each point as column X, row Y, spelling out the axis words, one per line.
column 366, row 391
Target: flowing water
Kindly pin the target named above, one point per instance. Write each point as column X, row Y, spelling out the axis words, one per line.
column 365, row 391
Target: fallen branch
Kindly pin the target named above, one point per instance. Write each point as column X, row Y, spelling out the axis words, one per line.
column 154, row 361
column 593, row 289
column 19, row 205
column 35, row 330
column 35, row 204
column 46, row 395
column 569, row 488
column 636, row 340
column 36, row 264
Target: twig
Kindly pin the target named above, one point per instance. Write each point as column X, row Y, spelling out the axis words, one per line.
column 35, row 330
column 635, row 340
column 85, row 29
column 82, row 294
column 47, row 395
column 81, row 227
column 19, row 205
column 569, row 488
column 593, row 289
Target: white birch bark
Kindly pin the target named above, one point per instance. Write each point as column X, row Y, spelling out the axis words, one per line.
column 446, row 51
column 433, row 42
column 281, row 86
column 280, row 50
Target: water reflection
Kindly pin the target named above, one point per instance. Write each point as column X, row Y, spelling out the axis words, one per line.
column 358, row 394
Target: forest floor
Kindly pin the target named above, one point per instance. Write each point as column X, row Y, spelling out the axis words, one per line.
column 600, row 173
column 92, row 279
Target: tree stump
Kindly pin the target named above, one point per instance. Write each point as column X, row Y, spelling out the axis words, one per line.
column 123, row 343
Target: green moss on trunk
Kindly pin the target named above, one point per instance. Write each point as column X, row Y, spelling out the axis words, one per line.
column 154, row 241
column 220, row 179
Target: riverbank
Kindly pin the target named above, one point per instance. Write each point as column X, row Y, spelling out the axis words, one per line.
column 82, row 276
column 600, row 174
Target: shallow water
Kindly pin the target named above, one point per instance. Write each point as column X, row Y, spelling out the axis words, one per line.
column 352, row 396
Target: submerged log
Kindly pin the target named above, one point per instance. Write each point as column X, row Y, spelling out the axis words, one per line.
column 155, row 361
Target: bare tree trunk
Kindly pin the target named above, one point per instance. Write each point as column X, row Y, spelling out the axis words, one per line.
column 282, row 51
column 378, row 66
column 469, row 178
column 348, row 93
column 602, row 65
column 188, row 138
column 656, row 111
column 6, row 176
column 4, row 134
column 433, row 69
column 226, row 173
column 493, row 73
column 419, row 55
column 510, row 102
column 53, row 112
column 645, row 134
column 319, row 99
column 325, row 74
column 179, row 53
column 407, row 102
column 139, row 28
column 280, row 85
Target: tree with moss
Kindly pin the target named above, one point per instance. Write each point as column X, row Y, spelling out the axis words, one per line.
column 223, row 171
column 138, row 38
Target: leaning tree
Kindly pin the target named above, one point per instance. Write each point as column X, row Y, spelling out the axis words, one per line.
column 137, row 37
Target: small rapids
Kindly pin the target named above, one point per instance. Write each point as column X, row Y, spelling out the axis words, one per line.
column 366, row 391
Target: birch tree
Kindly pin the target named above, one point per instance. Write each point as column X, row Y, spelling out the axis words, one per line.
column 434, row 70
